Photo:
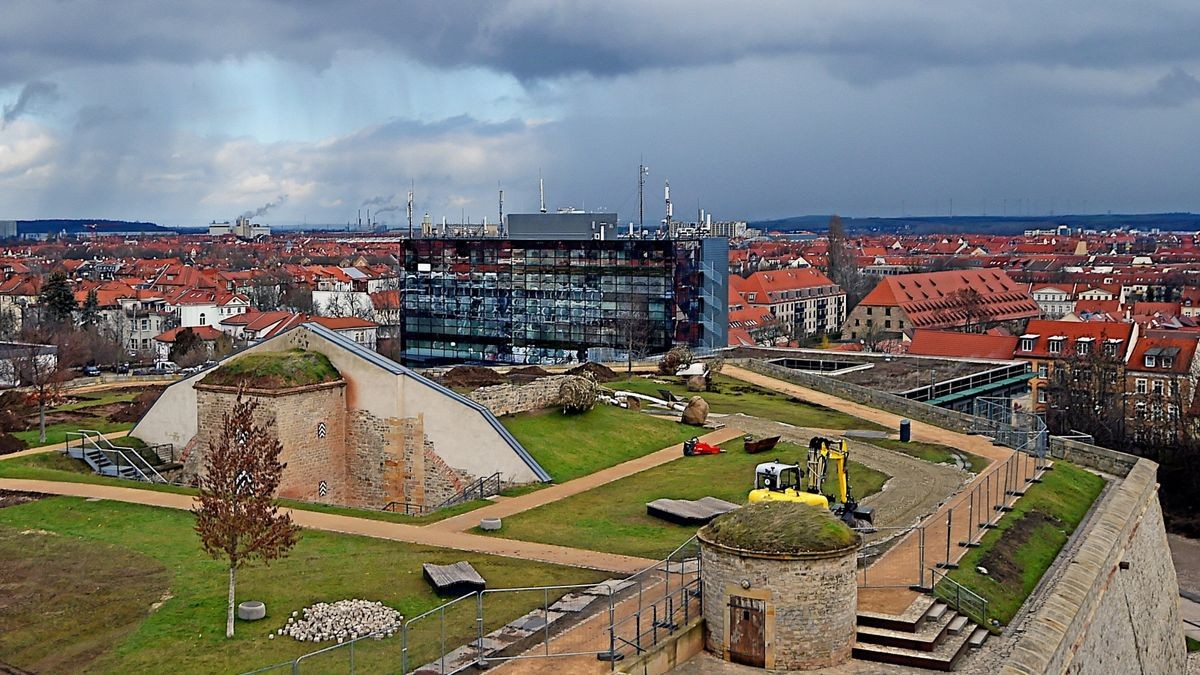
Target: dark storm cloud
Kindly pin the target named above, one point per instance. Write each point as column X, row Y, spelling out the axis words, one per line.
column 863, row 42
column 32, row 95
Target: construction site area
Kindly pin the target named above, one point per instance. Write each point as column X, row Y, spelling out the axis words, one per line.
column 727, row 515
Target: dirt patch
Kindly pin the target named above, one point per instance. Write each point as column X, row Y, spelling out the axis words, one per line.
column 135, row 409
column 73, row 416
column 601, row 372
column 999, row 560
column 14, row 498
column 526, row 374
column 471, row 376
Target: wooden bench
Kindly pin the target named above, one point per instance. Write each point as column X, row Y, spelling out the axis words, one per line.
column 457, row 579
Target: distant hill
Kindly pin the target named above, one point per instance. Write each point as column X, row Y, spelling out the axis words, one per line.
column 1001, row 225
column 79, row 226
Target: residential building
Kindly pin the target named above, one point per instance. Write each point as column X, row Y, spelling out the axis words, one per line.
column 1161, row 385
column 804, row 301
column 206, row 306
column 1055, row 301
column 163, row 343
column 1046, row 343
column 961, row 300
column 750, row 326
column 547, row 301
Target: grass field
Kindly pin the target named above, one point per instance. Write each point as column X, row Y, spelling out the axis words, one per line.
column 735, row 396
column 613, row 517
column 133, row 549
column 57, row 433
column 1019, row 551
column 931, row 452
column 570, row 446
column 58, row 467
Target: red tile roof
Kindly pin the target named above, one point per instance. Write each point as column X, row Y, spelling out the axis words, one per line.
column 770, row 287
column 962, row 345
column 206, row 333
column 1099, row 332
column 1181, row 350
column 936, row 299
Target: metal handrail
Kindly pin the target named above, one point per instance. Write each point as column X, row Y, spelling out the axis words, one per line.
column 409, row 508
column 121, row 453
column 964, row 600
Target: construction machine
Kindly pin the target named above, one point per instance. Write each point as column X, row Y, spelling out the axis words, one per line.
column 777, row 481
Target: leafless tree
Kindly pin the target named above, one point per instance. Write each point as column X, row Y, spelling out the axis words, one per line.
column 41, row 363
column 237, row 518
column 1086, row 393
column 843, row 265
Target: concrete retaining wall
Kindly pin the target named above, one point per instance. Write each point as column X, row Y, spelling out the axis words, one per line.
column 671, row 652
column 1115, row 608
column 897, row 405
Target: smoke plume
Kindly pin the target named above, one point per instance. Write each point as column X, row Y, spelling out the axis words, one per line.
column 378, row 201
column 265, row 207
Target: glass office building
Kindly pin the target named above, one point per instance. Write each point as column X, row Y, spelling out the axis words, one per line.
column 555, row 300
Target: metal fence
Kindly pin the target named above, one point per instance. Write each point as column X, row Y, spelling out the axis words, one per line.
column 1000, row 419
column 937, row 542
column 622, row 618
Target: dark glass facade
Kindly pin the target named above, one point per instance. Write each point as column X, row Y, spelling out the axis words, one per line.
column 539, row 301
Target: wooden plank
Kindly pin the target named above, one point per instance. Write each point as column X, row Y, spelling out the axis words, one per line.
column 688, row 512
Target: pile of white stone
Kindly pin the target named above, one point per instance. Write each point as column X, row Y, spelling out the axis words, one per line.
column 342, row 620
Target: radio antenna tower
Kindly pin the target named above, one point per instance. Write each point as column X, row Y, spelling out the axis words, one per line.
column 542, row 194
column 670, row 209
column 410, row 208
column 643, row 171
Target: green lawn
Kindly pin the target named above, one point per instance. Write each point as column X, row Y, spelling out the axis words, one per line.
column 91, row 400
column 186, row 633
column 57, row 433
column 1027, row 539
column 570, row 446
column 735, row 396
column 613, row 517
column 58, row 467
column 931, row 452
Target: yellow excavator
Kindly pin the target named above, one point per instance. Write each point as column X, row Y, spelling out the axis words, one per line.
column 776, row 481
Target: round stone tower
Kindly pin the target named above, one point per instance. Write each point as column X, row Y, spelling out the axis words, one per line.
column 779, row 586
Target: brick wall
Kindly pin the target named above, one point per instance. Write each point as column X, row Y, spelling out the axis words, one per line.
column 293, row 417
column 1115, row 608
column 810, row 603
column 510, row 399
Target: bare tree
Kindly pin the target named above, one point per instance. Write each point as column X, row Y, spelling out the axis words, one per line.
column 41, row 363
column 843, row 265
column 237, row 518
column 1086, row 393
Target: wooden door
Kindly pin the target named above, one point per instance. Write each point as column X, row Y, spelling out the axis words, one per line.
column 747, row 631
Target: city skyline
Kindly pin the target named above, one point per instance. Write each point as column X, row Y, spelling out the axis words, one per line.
column 186, row 115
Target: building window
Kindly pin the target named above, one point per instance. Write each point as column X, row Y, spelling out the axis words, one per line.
column 1083, row 347
column 202, row 319
column 1158, row 387
column 887, row 323
column 1149, row 361
column 868, row 312
column 1168, row 361
column 1027, row 343
column 1041, row 395
column 1056, row 345
column 1042, row 370
column 887, row 311
column 1139, row 385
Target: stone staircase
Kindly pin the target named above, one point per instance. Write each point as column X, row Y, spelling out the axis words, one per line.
column 929, row 634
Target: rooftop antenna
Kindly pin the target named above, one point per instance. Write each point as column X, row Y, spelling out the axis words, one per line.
column 670, row 209
column 643, row 171
column 411, row 185
column 542, row 194
column 501, row 211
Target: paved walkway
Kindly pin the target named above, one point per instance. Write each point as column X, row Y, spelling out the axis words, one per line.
column 909, row 561
column 56, row 446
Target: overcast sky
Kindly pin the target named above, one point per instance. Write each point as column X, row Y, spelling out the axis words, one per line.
column 143, row 110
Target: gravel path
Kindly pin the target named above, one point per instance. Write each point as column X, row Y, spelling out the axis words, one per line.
column 915, row 490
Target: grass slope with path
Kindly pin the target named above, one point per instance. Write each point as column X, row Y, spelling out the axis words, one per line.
column 731, row 396
column 55, row 466
column 931, row 452
column 78, row 408
column 570, row 446
column 1027, row 540
column 125, row 548
column 613, row 517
